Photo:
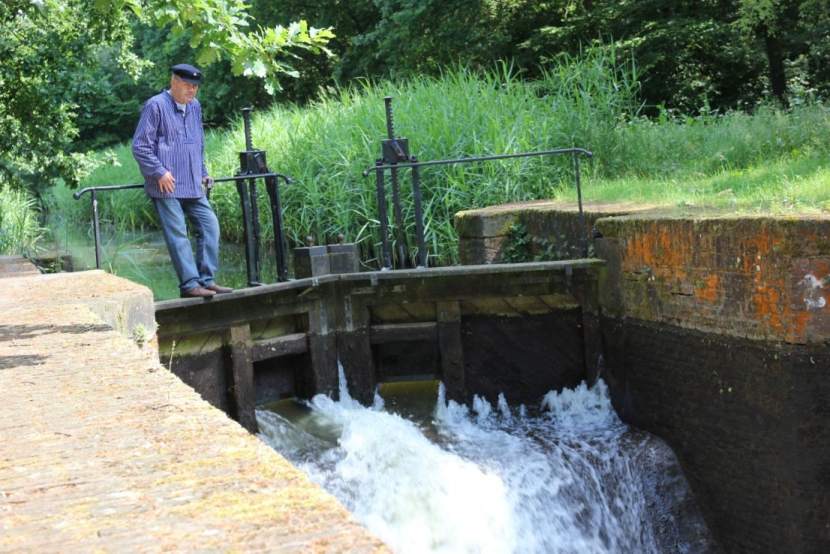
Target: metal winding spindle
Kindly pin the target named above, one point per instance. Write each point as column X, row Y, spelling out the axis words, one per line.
column 400, row 236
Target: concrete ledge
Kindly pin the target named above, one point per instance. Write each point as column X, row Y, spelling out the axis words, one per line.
column 16, row 266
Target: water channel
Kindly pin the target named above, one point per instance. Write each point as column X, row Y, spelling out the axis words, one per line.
column 429, row 475
column 142, row 257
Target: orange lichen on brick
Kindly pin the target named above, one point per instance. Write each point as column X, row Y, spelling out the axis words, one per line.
column 755, row 250
column 741, row 275
column 637, row 252
column 768, row 307
column 775, row 307
column 770, row 297
column 664, row 251
column 800, row 322
column 710, row 291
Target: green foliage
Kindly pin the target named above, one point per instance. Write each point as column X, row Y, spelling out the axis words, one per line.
column 42, row 46
column 689, row 55
column 221, row 29
column 521, row 246
column 421, row 36
column 325, row 147
column 51, row 51
column 518, row 245
column 693, row 55
column 20, row 232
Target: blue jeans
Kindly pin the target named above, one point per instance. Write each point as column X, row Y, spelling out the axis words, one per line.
column 172, row 212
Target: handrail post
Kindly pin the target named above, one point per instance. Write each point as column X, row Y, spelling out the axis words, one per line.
column 579, row 199
column 419, row 214
column 272, row 186
column 96, row 229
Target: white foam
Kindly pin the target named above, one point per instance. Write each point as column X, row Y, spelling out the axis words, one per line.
column 582, row 409
column 488, row 481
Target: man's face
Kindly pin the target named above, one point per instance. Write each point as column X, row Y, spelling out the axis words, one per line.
column 182, row 91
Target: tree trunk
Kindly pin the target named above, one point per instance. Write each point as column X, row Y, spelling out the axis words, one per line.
column 775, row 58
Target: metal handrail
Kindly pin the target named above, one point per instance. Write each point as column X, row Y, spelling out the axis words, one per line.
column 380, row 167
column 281, row 263
column 77, row 194
column 469, row 159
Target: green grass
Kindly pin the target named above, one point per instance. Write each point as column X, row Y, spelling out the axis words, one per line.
column 797, row 185
column 770, row 161
column 20, row 232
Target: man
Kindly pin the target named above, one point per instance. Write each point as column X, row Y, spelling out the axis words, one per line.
column 169, row 147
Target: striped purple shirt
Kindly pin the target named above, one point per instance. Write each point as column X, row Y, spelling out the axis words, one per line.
column 168, row 140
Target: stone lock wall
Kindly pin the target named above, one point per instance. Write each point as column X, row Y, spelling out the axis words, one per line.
column 716, row 337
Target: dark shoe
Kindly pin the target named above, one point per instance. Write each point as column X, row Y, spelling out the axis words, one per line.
column 218, row 289
column 198, row 292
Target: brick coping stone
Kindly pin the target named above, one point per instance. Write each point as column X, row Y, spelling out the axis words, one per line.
column 102, row 449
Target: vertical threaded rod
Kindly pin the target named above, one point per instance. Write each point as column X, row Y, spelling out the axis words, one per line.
column 390, row 119
column 246, row 118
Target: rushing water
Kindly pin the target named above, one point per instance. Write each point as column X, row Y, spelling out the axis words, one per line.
column 566, row 477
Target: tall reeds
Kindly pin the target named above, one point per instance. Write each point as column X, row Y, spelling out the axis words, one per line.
column 20, row 230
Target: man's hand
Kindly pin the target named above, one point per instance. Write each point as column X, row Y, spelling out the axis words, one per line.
column 167, row 183
column 207, row 181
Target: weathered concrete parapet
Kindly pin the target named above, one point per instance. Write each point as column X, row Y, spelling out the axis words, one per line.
column 758, row 278
column 551, row 229
column 16, row 266
column 102, row 451
column 125, row 306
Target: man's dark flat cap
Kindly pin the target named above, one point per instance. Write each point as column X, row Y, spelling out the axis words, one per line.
column 188, row 73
